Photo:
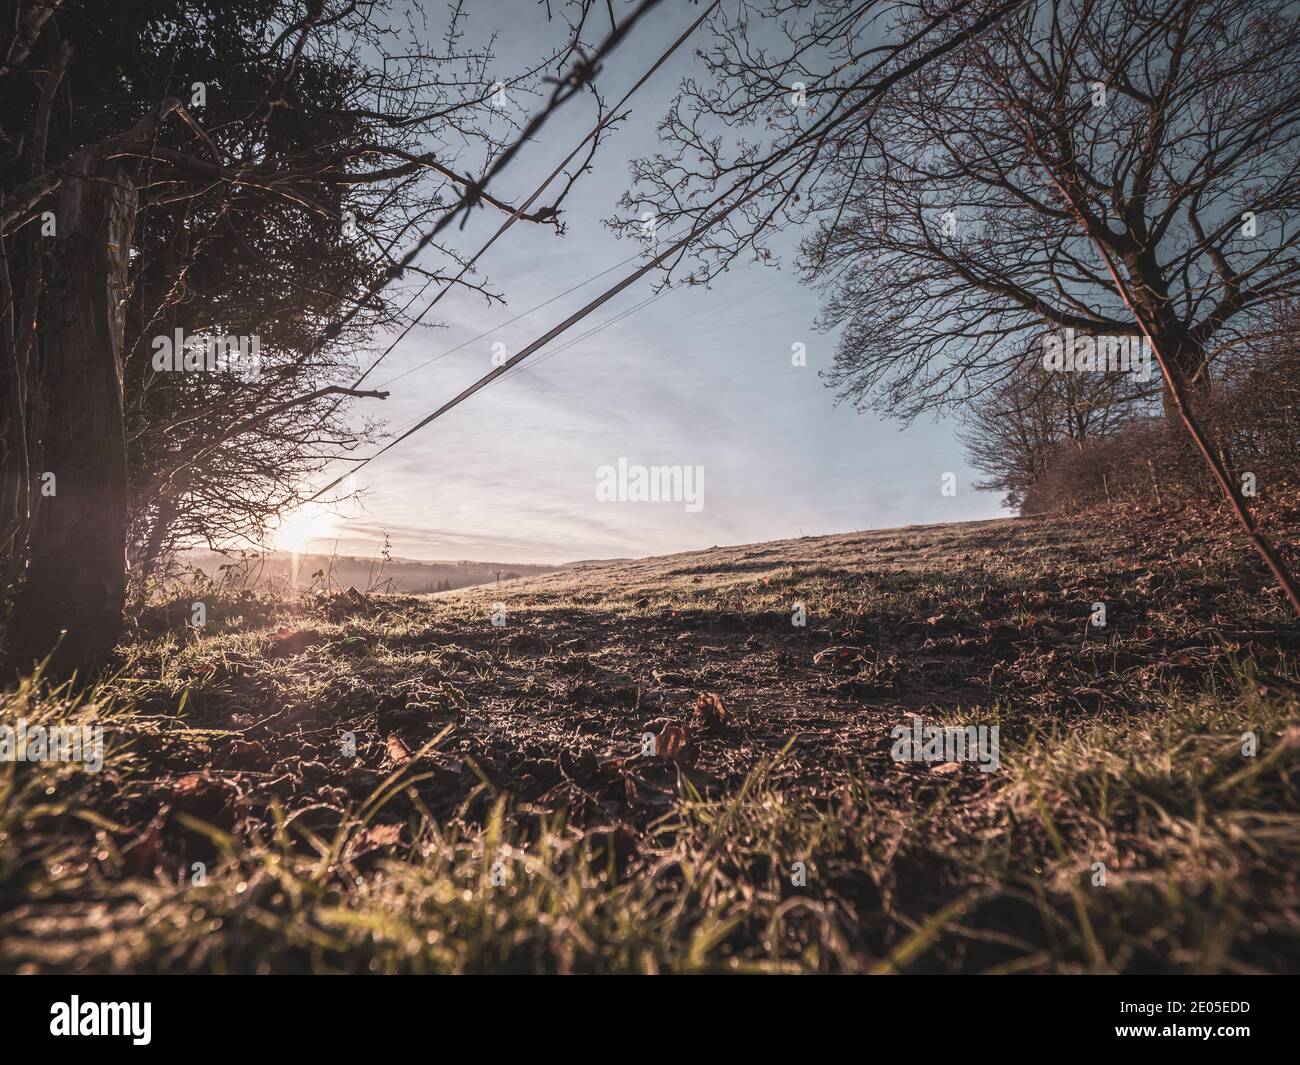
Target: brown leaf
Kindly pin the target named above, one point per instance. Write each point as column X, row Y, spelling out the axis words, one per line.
column 140, row 856
column 203, row 796
column 945, row 768
column 709, row 711
column 641, row 792
column 397, row 750
column 250, row 754
column 613, row 841
column 674, row 743
column 840, row 657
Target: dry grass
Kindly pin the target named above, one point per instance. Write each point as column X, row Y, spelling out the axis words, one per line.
column 499, row 812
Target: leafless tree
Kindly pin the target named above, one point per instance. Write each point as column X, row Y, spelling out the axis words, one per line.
column 940, row 240
column 791, row 87
column 279, row 169
column 1113, row 167
column 1016, row 431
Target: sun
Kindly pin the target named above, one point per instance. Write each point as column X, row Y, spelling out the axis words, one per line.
column 304, row 528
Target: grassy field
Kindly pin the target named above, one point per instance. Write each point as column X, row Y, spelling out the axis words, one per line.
column 373, row 783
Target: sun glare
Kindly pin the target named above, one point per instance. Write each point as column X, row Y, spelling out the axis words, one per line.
column 304, row 531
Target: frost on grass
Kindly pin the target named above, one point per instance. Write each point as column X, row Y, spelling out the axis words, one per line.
column 649, row 767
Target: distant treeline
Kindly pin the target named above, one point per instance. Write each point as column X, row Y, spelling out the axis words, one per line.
column 412, row 576
column 1063, row 442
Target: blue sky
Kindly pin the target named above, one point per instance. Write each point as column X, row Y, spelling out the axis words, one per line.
column 700, row 377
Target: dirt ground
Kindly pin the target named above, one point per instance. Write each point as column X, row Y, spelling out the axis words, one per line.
column 629, row 696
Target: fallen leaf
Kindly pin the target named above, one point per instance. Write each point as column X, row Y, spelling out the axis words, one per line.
column 397, row 750
column 140, row 856
column 642, row 793
column 618, row 842
column 674, row 743
column 203, row 796
column 709, row 711
column 250, row 754
column 841, row 657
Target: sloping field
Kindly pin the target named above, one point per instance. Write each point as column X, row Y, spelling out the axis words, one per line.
column 651, row 765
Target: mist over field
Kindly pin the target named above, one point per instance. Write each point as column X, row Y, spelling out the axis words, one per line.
column 294, row 571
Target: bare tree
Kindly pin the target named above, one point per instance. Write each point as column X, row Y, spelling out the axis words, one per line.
column 1174, row 130
column 1112, row 167
column 940, row 240
column 1014, row 433
column 1168, row 346
column 268, row 170
column 755, row 147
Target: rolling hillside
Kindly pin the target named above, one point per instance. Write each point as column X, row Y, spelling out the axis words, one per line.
column 648, row 765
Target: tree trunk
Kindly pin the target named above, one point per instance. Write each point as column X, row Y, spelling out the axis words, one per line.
column 70, row 601
column 1187, row 364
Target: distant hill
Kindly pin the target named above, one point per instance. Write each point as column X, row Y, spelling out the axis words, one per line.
column 413, row 576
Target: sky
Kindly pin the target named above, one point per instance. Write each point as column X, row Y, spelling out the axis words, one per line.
column 700, row 377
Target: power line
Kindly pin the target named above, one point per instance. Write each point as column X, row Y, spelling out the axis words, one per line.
column 565, row 89
column 747, row 191
column 615, row 320
column 612, row 321
column 522, row 314
column 545, row 303
column 519, row 211
column 544, row 339
column 582, row 73
column 701, row 226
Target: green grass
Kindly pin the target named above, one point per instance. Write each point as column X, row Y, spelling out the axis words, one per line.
column 1200, row 846
column 906, row 870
